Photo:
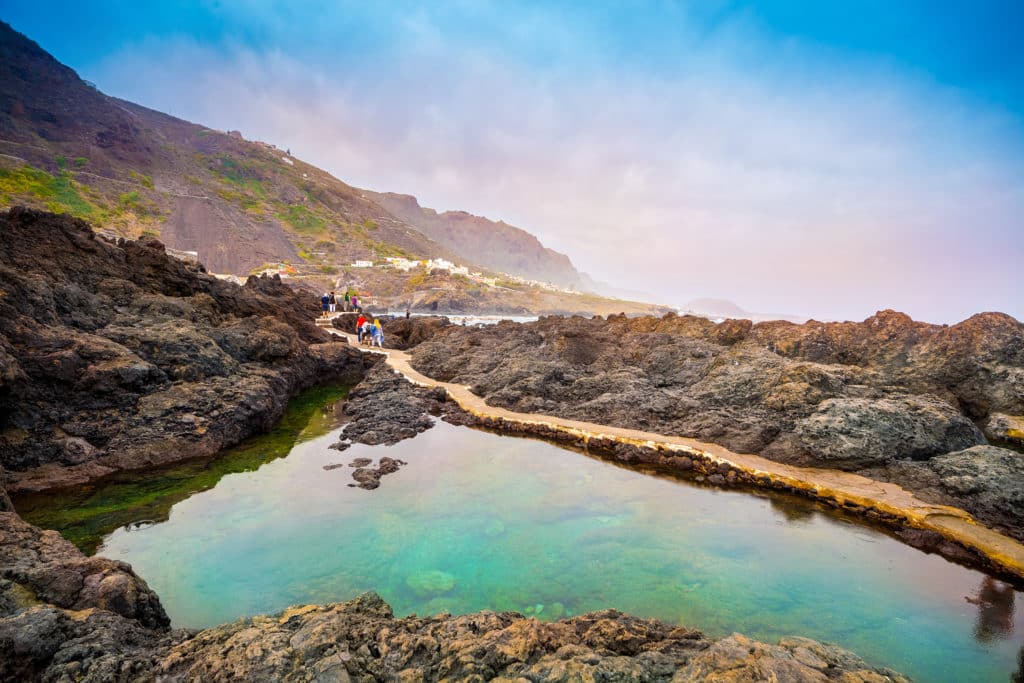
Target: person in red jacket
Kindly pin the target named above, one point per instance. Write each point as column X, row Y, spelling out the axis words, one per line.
column 359, row 326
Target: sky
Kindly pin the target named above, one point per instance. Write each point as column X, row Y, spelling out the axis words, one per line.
column 825, row 159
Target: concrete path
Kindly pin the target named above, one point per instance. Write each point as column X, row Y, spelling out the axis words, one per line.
column 842, row 487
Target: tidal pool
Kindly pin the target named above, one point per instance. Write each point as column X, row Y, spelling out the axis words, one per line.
column 481, row 521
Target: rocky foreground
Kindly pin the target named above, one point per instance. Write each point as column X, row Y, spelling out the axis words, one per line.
column 929, row 407
column 65, row 617
column 118, row 356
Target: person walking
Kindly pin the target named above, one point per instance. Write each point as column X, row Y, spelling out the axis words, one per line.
column 378, row 334
column 355, row 303
column 360, row 323
column 325, row 303
column 348, row 301
column 333, row 303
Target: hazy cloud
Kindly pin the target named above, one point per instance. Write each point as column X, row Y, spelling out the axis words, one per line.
column 766, row 173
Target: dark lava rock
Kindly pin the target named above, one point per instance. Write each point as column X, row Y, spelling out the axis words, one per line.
column 405, row 333
column 361, row 640
column 64, row 616
column 987, row 481
column 385, row 409
column 369, row 477
column 360, row 462
column 852, row 396
column 118, row 356
column 55, row 571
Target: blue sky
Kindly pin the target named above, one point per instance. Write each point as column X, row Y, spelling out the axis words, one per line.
column 827, row 159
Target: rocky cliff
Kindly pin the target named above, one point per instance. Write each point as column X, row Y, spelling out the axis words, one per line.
column 495, row 245
column 117, row 356
column 897, row 399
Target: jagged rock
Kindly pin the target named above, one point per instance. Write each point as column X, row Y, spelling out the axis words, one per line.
column 385, row 409
column 1007, row 428
column 56, row 572
column 845, row 395
column 361, row 640
column 795, row 660
column 404, row 333
column 856, row 432
column 987, row 481
column 117, row 356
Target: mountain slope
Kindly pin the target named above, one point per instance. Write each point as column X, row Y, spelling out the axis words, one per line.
column 67, row 147
column 491, row 244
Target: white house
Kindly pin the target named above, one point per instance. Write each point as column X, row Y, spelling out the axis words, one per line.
column 363, row 264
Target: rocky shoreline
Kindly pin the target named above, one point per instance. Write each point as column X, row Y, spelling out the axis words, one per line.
column 890, row 398
column 67, row 617
column 116, row 356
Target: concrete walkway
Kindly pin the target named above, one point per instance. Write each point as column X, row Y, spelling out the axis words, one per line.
column 842, row 487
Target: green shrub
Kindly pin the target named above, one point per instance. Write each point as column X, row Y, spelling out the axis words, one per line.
column 81, row 162
column 301, row 218
column 58, row 193
column 145, row 180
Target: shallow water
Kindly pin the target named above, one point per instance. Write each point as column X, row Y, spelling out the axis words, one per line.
column 481, row 521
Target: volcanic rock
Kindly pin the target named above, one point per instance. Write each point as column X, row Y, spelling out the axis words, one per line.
column 853, row 396
column 118, row 356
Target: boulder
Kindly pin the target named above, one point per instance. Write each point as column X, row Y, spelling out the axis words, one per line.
column 853, row 433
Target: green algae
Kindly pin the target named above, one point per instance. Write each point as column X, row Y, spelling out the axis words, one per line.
column 86, row 514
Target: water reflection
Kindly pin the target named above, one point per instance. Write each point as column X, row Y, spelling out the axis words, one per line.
column 793, row 511
column 995, row 601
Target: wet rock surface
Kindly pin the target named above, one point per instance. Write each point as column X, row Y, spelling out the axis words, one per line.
column 854, row 396
column 118, row 356
column 369, row 477
column 53, row 571
column 385, row 409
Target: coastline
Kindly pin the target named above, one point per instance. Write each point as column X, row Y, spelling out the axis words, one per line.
column 882, row 502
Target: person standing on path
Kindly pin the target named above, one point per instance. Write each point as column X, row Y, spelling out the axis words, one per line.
column 325, row 303
column 355, row 303
column 378, row 334
column 359, row 327
column 348, row 301
column 333, row 302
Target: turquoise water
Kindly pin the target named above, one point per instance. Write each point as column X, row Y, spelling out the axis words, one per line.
column 481, row 521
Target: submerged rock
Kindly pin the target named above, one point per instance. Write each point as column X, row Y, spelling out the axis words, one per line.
column 369, row 477
column 430, row 582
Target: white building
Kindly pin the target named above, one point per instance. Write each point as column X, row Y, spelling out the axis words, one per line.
column 363, row 264
column 401, row 263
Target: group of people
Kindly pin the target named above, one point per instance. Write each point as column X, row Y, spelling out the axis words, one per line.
column 329, row 303
column 373, row 331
